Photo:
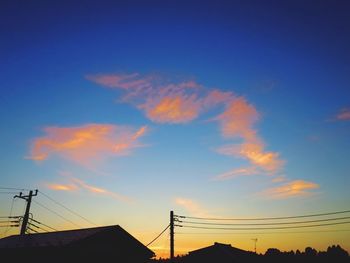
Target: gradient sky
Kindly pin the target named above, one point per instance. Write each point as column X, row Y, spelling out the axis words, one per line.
column 125, row 110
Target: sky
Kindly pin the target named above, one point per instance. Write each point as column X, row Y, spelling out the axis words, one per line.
column 125, row 110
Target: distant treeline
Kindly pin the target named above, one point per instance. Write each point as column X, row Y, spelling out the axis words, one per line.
column 333, row 254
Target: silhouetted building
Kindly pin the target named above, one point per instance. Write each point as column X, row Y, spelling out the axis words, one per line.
column 110, row 243
column 219, row 253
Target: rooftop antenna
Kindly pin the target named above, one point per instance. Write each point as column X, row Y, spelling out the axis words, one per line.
column 255, row 241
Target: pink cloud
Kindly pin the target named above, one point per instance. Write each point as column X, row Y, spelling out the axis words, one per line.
column 343, row 115
column 161, row 101
column 238, row 119
column 83, row 144
column 122, row 81
column 183, row 102
column 297, row 188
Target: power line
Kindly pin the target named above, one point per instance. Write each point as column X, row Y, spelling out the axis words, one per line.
column 9, row 221
column 8, row 193
column 56, row 213
column 70, row 210
column 36, row 221
column 266, row 218
column 261, row 233
column 11, row 209
column 267, row 228
column 158, row 236
column 12, row 188
column 267, row 224
column 31, row 229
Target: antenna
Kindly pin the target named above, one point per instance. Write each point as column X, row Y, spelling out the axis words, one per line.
column 255, row 241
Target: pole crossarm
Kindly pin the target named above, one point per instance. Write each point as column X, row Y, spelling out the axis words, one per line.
column 28, row 199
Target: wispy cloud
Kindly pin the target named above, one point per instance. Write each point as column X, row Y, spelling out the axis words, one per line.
column 76, row 184
column 244, row 171
column 297, row 188
column 279, row 179
column 121, row 81
column 62, row 187
column 182, row 102
column 83, row 144
column 162, row 101
column 191, row 206
column 343, row 115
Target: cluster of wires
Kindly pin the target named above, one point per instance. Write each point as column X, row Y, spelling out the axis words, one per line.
column 34, row 225
column 264, row 223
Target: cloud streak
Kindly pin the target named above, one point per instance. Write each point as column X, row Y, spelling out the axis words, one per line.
column 191, row 206
column 83, row 144
column 76, row 184
column 234, row 173
column 297, row 188
column 343, row 115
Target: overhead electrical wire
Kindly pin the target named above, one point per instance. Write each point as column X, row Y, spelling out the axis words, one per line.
column 57, row 214
column 261, row 233
column 158, row 236
column 12, row 188
column 265, row 218
column 267, row 228
column 266, row 224
column 36, row 221
column 10, row 216
column 68, row 209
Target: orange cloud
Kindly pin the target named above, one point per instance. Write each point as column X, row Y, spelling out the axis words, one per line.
column 246, row 171
column 297, row 188
column 343, row 115
column 78, row 184
column 101, row 191
column 86, row 143
column 177, row 109
column 62, row 187
column 254, row 152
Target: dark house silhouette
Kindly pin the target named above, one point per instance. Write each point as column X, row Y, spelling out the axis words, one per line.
column 219, row 253
column 110, row 243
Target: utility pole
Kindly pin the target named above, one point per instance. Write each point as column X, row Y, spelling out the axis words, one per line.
column 171, row 236
column 27, row 198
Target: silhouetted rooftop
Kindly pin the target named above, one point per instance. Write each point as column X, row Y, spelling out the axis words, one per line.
column 108, row 236
column 219, row 250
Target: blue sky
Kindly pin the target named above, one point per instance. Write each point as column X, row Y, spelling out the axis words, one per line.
column 284, row 64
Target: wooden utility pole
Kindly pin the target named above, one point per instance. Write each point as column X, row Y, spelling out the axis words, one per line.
column 171, row 236
column 28, row 198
